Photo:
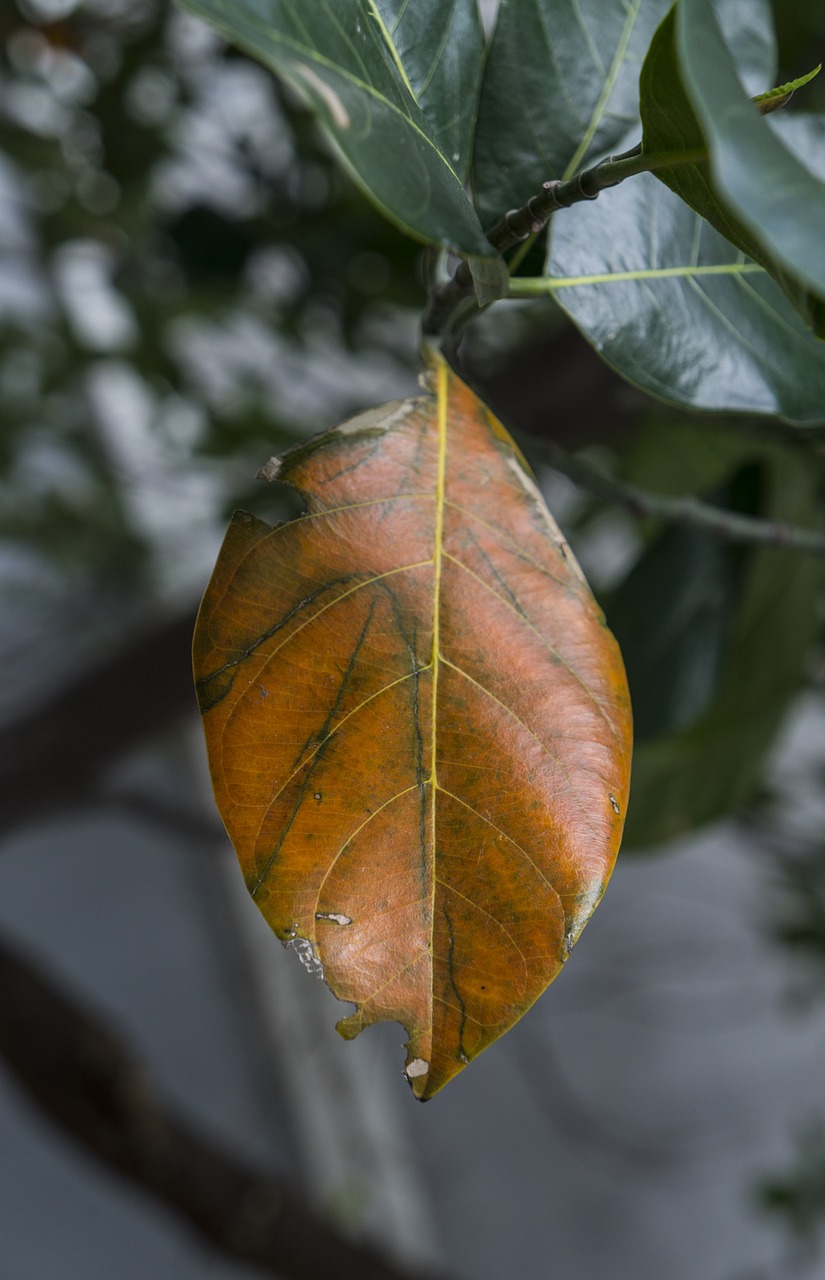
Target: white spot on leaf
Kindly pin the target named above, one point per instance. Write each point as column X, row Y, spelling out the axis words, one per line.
column 308, row 956
column 418, row 1067
column 335, row 916
column 382, row 418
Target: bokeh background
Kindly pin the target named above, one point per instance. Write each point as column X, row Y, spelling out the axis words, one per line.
column 188, row 285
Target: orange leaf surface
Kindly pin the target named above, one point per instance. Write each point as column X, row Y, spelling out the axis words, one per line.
column 418, row 724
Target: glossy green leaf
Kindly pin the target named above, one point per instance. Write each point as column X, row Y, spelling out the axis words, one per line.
column 671, row 125
column 439, row 50
column 387, row 119
column 677, row 310
column 560, row 89
column 773, row 193
column 713, row 766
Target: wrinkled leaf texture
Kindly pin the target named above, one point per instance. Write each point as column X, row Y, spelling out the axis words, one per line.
column 418, row 724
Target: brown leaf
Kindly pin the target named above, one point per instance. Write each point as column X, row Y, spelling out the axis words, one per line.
column 418, row 724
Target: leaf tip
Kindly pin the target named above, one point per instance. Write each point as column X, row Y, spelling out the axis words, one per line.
column 774, row 99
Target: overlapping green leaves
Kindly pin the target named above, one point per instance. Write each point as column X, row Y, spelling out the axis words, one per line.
column 786, row 212
column 752, row 616
column 561, row 88
column 675, row 306
column 676, row 309
column 440, row 52
column 395, row 88
column 685, row 306
column 672, row 125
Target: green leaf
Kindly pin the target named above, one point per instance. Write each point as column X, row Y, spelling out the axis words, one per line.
column 671, row 617
column 439, row 50
column 773, row 193
column 343, row 61
column 773, row 99
column 491, row 279
column 677, row 310
column 685, row 779
column 671, row 125
column 560, row 89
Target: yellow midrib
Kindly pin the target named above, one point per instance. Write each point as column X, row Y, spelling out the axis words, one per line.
column 607, row 89
column 394, row 54
column 438, row 552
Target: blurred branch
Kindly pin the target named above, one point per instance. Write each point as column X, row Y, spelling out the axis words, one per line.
column 54, row 757
column 686, row 510
column 88, row 1083
column 171, row 817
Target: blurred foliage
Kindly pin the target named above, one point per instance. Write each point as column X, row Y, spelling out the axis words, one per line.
column 796, row 1198
column 717, row 638
column 173, row 307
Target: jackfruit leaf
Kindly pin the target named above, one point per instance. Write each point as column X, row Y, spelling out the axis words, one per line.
column 711, row 767
column 671, row 617
column 418, row 724
column 671, row 125
column 560, row 89
column 439, row 51
column 672, row 304
column 771, row 191
column 395, row 89
column 678, row 310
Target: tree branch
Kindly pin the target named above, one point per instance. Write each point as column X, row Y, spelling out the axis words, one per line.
column 53, row 758
column 80, row 1074
column 518, row 224
column 687, row 510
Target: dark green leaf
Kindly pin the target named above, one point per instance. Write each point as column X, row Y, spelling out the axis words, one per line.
column 772, row 192
column 677, row 310
column 671, row 617
column 343, row 63
column 439, row 46
column 671, row 125
column 684, row 779
column 560, row 89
